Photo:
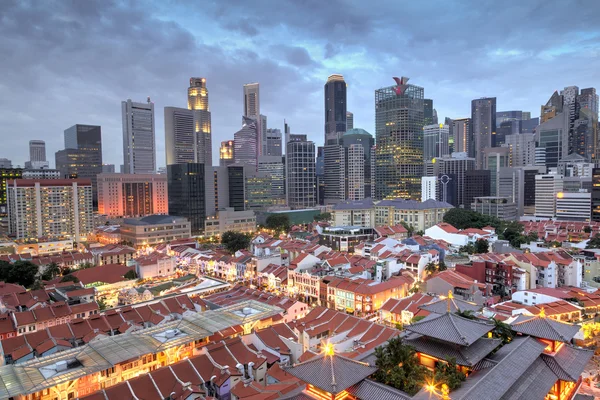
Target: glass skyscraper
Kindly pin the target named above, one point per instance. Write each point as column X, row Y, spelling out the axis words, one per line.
column 399, row 115
column 335, row 109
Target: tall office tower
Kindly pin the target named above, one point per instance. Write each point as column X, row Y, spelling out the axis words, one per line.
column 436, row 141
column 82, row 156
column 320, row 175
column 552, row 138
column 188, row 132
column 429, row 113
column 596, row 194
column 273, row 165
column 198, row 104
column 6, row 174
column 521, row 149
column 132, row 195
column 503, row 116
column 547, row 186
column 5, row 163
column 477, row 184
column 273, row 143
column 518, row 185
column 451, row 139
column 552, row 108
column 300, row 174
column 186, row 189
column 257, row 188
column 286, row 134
column 349, row 120
column 358, row 143
column 428, row 188
column 226, row 153
column 335, row 162
column 571, row 111
column 237, row 188
column 179, row 136
column 399, row 138
column 335, row 109
column 454, row 167
column 50, row 208
column 483, row 118
column 37, row 150
column 504, row 129
column 251, row 101
column 588, row 111
column 108, row 168
column 463, row 136
column 495, row 158
column 262, row 129
column 139, row 147
column 245, row 142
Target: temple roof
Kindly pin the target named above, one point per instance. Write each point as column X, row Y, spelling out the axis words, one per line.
column 451, row 304
column 464, row 355
column 331, row 373
column 544, row 328
column 451, row 328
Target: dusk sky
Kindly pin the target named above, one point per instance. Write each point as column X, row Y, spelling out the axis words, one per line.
column 69, row 62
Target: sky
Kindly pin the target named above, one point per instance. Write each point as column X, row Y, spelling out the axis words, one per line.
column 68, row 62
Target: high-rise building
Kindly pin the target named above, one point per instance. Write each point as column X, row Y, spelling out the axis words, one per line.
column 429, row 113
column 82, row 156
column 5, row 163
column 349, row 120
column 132, row 195
column 518, row 184
column 252, row 100
column 56, row 208
column 463, row 136
column 428, row 188
column 273, row 143
column 245, row 142
column 495, row 158
column 258, row 186
column 226, row 153
column 335, row 168
column 186, row 193
column 320, row 175
column 286, row 134
column 483, row 119
column 335, row 109
column 573, row 206
column 522, row 149
column 494, row 206
column 455, row 167
column 552, row 137
column 37, row 150
column 237, row 188
column 436, row 141
column 477, row 184
column 300, row 174
column 139, row 147
column 188, row 132
column 547, row 186
column 399, row 138
column 7, row 174
column 359, row 146
column 108, row 168
column 596, row 194
column 273, row 165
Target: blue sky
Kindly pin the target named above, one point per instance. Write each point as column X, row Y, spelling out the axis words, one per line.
column 68, row 62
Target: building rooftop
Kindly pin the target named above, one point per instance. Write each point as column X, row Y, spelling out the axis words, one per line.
column 414, row 205
column 354, row 204
column 451, row 328
column 542, row 327
column 154, row 220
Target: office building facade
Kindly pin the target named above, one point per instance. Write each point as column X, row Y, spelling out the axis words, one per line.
column 463, row 136
column 58, row 208
column 37, row 150
column 226, row 153
column 275, row 167
column 399, row 138
column 547, row 186
column 335, row 109
column 300, row 174
column 596, row 195
column 494, row 206
column 483, row 119
column 436, row 141
column 493, row 159
column 273, row 147
column 477, row 184
column 521, row 149
column 455, row 168
column 245, row 142
column 132, row 195
column 186, row 189
column 139, row 144
column 349, row 120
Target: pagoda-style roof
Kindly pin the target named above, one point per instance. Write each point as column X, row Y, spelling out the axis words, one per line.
column 368, row 389
column 464, row 355
column 545, row 328
column 331, row 373
column 450, row 304
column 451, row 328
column 569, row 362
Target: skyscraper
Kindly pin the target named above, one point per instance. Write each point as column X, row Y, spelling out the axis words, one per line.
column 139, row 148
column 273, row 147
column 82, row 156
column 132, row 195
column 300, row 174
column 186, row 188
column 399, row 138
column 455, row 167
column 436, row 141
column 226, row 153
column 188, row 132
column 596, row 194
column 335, row 108
column 483, row 117
column 463, row 136
column 251, row 100
column 37, row 150
column 349, row 120
column 522, row 149
column 429, row 113
column 245, row 142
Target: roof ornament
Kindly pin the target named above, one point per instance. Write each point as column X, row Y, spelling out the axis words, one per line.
column 542, row 313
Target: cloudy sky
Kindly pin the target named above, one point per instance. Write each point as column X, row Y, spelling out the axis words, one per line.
column 67, row 62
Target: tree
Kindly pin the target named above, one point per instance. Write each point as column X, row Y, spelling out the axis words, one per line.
column 234, row 241
column 37, row 285
column 131, row 274
column 23, row 272
column 101, row 304
column 482, row 246
column 70, row 278
column 587, row 229
column 593, row 243
column 431, row 268
column 278, row 222
column 52, row 271
column 442, row 266
column 464, row 219
column 398, row 366
column 65, row 271
column 468, row 248
column 449, row 374
column 326, row 216
column 468, row 314
column 416, row 319
column 86, row 265
column 409, row 228
column 502, row 331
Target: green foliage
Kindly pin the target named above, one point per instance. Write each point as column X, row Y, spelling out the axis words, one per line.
column 101, row 304
column 131, row 274
column 414, row 289
column 86, row 265
column 234, row 241
column 70, row 278
column 417, row 319
column 326, row 216
column 593, row 243
column 278, row 222
column 502, row 331
column 410, row 229
column 399, row 367
column 442, row 266
column 464, row 219
column 126, row 243
column 52, row 271
column 587, row 229
column 431, row 268
column 399, row 326
column 449, row 374
column 468, row 248
column 482, row 246
column 468, row 314
column 23, row 273
column 37, row 285
column 65, row 271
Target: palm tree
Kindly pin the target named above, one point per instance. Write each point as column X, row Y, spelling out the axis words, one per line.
column 502, row 331
column 399, row 367
column 466, row 314
column 431, row 268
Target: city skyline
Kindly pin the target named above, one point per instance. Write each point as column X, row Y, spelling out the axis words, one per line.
column 228, row 53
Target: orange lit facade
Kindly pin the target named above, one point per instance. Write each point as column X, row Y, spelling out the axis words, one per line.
column 132, row 195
